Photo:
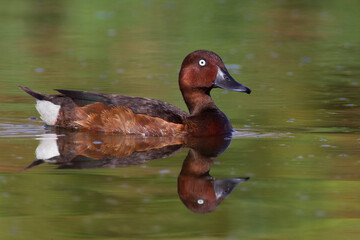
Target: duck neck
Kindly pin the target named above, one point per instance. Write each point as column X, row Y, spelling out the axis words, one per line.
column 205, row 118
column 197, row 101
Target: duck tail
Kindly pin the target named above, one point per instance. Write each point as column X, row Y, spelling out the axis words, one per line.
column 33, row 93
column 47, row 105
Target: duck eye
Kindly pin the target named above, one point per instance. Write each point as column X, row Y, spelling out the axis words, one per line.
column 202, row 62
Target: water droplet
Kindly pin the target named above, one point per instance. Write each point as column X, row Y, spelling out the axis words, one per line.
column 111, row 32
column 5, row 194
column 274, row 55
column 164, row 171
column 249, row 17
column 339, row 68
column 304, row 197
column 103, row 15
column 291, row 120
column 76, row 198
column 347, row 45
column 320, row 213
column 299, row 212
column 112, row 201
column 306, row 60
column 250, row 56
column 233, row 66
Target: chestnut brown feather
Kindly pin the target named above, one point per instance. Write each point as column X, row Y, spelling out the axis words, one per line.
column 119, row 119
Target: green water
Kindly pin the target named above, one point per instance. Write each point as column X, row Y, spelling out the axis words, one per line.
column 297, row 133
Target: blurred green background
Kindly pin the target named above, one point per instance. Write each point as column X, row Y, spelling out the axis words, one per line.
column 297, row 133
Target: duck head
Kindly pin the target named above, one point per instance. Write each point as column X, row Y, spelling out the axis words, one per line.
column 202, row 71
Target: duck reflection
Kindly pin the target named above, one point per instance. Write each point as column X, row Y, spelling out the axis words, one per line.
column 86, row 150
column 197, row 189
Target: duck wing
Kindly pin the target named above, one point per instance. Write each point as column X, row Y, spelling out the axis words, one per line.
column 138, row 105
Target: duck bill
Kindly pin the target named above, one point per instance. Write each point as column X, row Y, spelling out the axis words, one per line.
column 225, row 81
column 223, row 187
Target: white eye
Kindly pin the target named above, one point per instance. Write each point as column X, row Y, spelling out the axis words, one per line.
column 200, row 201
column 202, row 62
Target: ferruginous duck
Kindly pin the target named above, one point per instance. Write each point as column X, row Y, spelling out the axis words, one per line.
column 201, row 71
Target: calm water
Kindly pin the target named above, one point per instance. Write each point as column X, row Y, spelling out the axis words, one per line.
column 297, row 137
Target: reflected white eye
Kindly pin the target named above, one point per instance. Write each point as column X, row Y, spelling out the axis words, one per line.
column 202, row 62
column 200, row 201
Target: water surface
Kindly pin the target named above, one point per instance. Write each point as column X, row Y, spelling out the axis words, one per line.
column 297, row 135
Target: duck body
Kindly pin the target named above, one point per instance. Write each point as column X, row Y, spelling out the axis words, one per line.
column 200, row 72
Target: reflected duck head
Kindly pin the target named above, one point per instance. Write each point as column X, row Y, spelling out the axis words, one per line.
column 201, row 71
column 202, row 194
column 197, row 189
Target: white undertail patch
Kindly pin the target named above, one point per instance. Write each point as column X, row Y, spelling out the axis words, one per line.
column 48, row 147
column 48, row 111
